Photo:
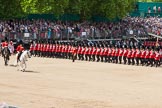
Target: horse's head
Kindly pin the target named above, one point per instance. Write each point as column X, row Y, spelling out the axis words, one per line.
column 28, row 54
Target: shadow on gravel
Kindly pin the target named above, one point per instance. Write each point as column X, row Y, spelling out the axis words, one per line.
column 29, row 71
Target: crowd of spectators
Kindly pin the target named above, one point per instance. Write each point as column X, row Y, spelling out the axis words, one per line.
column 129, row 26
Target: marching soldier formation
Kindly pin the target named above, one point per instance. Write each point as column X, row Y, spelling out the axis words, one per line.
column 99, row 52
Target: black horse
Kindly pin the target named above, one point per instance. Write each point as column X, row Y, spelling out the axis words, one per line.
column 6, row 55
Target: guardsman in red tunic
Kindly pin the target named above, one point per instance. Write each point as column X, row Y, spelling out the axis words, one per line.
column 19, row 49
column 101, row 53
column 61, row 53
column 59, row 50
column 5, row 45
column 129, row 55
column 94, row 49
column 47, row 49
column 86, row 52
column 113, row 55
column 44, row 49
column 143, row 53
column 63, row 50
column 125, row 52
column 82, row 52
column 38, row 49
column 50, row 49
column 74, row 52
column 35, row 49
column 160, row 54
column 109, row 54
column 120, row 54
column 157, row 58
column 133, row 55
column 66, row 51
column 41, row 49
column 147, row 56
column 69, row 51
column 79, row 52
column 89, row 52
column 151, row 57
column 116, row 54
column 137, row 56
column 91, row 55
column 98, row 53
column 31, row 48
column 54, row 49
column 105, row 52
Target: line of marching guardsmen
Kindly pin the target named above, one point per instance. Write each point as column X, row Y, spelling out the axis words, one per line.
column 99, row 52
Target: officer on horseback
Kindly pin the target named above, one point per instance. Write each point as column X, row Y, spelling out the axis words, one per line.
column 4, row 45
column 19, row 50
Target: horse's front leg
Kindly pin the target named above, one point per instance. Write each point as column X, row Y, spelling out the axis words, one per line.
column 21, row 65
column 16, row 61
column 24, row 66
column 4, row 60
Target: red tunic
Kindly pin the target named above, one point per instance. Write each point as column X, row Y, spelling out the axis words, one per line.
column 101, row 51
column 105, row 51
column 116, row 52
column 69, row 49
column 53, row 48
column 50, row 49
column 133, row 53
column 66, row 49
column 120, row 52
column 157, row 56
column 63, row 49
column 83, row 50
column 152, row 55
column 35, row 47
column 129, row 54
column 147, row 54
column 89, row 50
column 113, row 52
column 93, row 51
column 4, row 44
column 109, row 52
column 41, row 47
column 44, row 47
column 138, row 53
column 47, row 47
column 31, row 47
column 73, row 50
column 86, row 51
column 98, row 51
column 56, row 49
column 79, row 50
column 19, row 48
column 125, row 53
column 59, row 48
column 143, row 53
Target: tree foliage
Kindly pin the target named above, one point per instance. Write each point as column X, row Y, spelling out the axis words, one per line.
column 85, row 8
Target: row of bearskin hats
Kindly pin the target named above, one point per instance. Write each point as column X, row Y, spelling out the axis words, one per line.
column 98, row 44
